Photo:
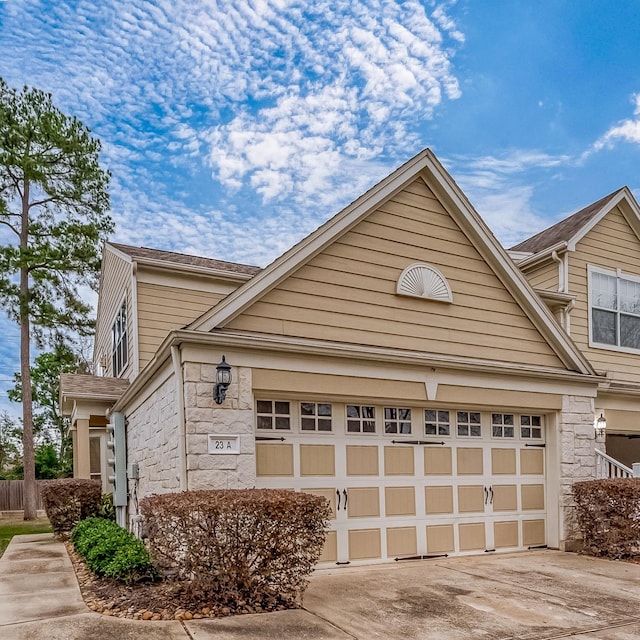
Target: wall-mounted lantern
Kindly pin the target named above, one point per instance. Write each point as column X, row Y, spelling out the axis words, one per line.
column 223, row 380
column 600, row 425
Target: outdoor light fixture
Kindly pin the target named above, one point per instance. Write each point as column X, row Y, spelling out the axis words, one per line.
column 223, row 380
column 600, row 425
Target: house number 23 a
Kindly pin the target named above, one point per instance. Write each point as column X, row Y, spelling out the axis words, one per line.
column 224, row 444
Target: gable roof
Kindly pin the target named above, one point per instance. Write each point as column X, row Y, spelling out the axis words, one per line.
column 424, row 165
column 573, row 228
column 158, row 257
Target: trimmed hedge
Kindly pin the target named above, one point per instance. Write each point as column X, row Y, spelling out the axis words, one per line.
column 69, row 500
column 111, row 551
column 608, row 513
column 238, row 545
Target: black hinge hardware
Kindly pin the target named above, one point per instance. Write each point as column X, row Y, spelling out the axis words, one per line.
column 489, row 550
column 540, row 546
column 423, row 557
column 541, row 446
column 347, row 562
column 281, row 439
column 416, row 442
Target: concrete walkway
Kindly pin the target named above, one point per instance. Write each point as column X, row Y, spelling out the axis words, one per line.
column 526, row 596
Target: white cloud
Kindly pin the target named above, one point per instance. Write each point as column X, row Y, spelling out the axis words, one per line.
column 627, row 130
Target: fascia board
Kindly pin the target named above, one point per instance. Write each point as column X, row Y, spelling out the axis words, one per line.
column 493, row 252
column 542, row 256
column 239, row 300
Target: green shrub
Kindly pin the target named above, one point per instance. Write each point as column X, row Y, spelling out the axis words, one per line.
column 238, row 545
column 608, row 513
column 67, row 501
column 106, row 509
column 111, row 551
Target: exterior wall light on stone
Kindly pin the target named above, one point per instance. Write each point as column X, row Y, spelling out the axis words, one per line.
column 600, row 425
column 223, row 380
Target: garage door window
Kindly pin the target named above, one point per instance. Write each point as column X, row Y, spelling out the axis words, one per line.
column 361, row 419
column 469, row 424
column 531, row 427
column 502, row 425
column 315, row 416
column 397, row 420
column 273, row 415
column 436, row 422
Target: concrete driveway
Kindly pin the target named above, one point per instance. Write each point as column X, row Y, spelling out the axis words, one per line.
column 538, row 594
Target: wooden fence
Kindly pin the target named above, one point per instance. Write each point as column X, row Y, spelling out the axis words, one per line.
column 11, row 492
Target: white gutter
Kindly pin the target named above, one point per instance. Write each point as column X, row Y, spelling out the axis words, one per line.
column 176, row 358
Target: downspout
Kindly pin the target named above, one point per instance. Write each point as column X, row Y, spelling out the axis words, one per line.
column 561, row 283
column 176, row 358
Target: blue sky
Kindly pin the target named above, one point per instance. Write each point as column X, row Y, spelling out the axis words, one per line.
column 233, row 129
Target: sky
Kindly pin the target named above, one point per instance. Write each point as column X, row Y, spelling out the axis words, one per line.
column 233, row 129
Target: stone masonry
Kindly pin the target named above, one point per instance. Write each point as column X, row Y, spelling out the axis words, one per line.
column 577, row 459
column 203, row 417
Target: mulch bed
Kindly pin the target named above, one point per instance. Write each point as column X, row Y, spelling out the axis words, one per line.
column 166, row 599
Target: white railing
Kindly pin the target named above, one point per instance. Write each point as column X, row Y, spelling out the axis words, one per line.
column 608, row 467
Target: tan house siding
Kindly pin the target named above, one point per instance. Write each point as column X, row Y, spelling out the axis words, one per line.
column 164, row 308
column 114, row 290
column 611, row 244
column 544, row 276
column 347, row 292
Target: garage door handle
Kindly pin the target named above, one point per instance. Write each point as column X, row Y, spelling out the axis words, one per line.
column 486, row 496
column 491, row 492
column 346, row 497
column 338, row 494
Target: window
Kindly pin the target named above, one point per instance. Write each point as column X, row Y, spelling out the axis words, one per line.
column 119, row 333
column 273, row 415
column 615, row 309
column 397, row 420
column 436, row 422
column 361, row 419
column 531, row 427
column 315, row 416
column 469, row 424
column 502, row 425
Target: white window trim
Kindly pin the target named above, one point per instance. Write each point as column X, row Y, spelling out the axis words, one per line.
column 123, row 304
column 614, row 273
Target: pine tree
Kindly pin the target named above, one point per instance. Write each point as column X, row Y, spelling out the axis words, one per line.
column 53, row 221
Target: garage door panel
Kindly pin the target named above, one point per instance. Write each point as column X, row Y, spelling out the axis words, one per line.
column 531, row 461
column 364, row 544
column 471, row 498
column 532, row 497
column 505, row 534
column 362, row 460
column 363, row 502
column 438, row 500
column 503, row 461
column 399, row 461
column 274, row 459
column 533, row 533
column 317, row 460
column 437, row 462
column 472, row 536
column 401, row 541
column 330, row 549
column 400, row 501
column 470, row 461
column 505, row 497
column 440, row 538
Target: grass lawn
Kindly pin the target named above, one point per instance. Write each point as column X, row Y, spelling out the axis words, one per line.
column 10, row 527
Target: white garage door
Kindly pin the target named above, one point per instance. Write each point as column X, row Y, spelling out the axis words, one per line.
column 409, row 481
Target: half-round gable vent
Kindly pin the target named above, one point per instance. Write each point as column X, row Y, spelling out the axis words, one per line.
column 424, row 281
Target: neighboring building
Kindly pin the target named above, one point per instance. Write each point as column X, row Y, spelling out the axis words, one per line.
column 395, row 361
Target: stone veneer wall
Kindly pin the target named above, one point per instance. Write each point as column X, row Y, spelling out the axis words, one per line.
column 204, row 417
column 577, row 460
column 152, row 441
